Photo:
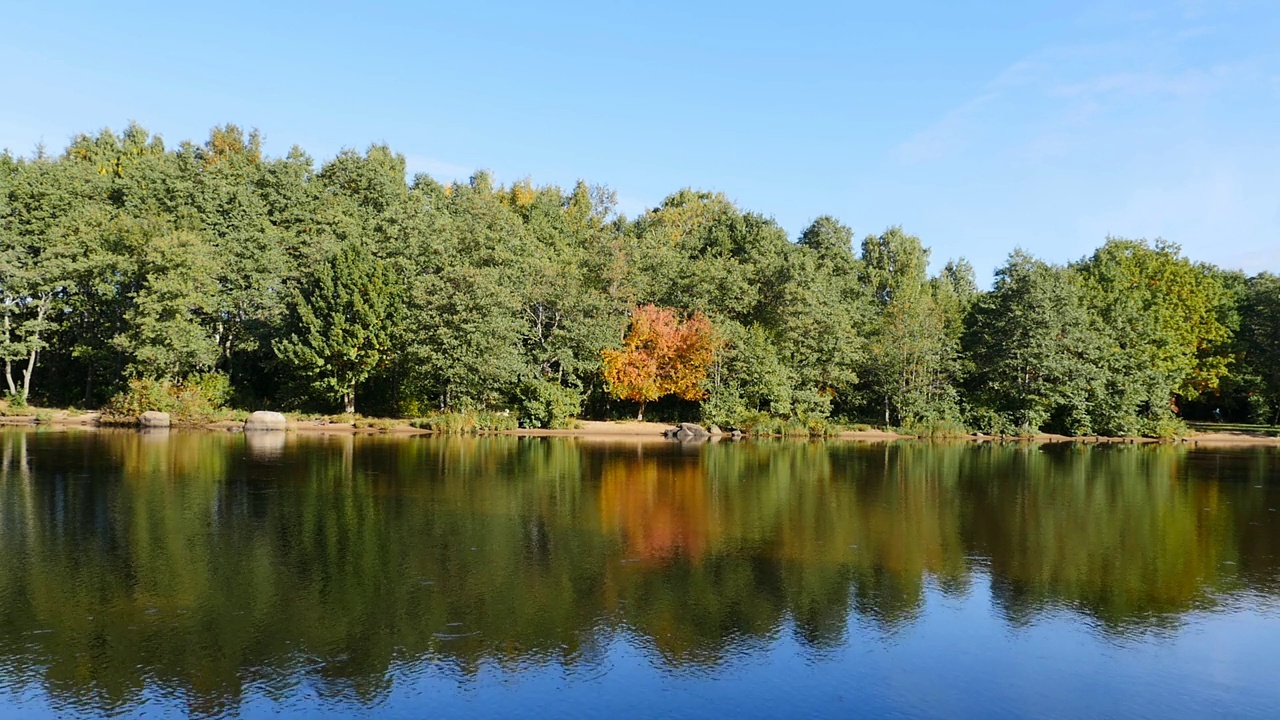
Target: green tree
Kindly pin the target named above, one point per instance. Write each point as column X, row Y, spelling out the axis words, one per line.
column 165, row 333
column 748, row 376
column 470, row 273
column 823, row 318
column 227, row 175
column 1160, row 315
column 28, row 285
column 1033, row 350
column 1260, row 341
column 342, row 317
column 912, row 358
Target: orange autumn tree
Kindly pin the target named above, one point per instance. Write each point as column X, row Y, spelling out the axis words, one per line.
column 661, row 355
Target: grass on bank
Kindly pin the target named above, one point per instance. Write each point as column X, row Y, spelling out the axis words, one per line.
column 1216, row 427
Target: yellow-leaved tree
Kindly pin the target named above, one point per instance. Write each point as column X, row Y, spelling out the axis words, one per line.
column 661, row 355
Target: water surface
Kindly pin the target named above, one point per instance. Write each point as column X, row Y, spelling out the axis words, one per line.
column 212, row 574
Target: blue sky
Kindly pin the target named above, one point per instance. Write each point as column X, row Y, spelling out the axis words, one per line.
column 979, row 126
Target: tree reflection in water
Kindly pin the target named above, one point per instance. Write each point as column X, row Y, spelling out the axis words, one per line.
column 208, row 566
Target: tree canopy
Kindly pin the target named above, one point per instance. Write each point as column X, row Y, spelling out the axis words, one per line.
column 306, row 285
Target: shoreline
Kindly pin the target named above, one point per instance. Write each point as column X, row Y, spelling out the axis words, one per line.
column 633, row 430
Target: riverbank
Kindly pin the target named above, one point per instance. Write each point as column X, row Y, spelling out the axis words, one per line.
column 631, row 429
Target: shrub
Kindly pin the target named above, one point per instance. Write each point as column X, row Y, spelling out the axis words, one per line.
column 549, row 405
column 199, row 398
column 724, row 407
column 377, row 424
column 467, row 422
column 937, row 428
column 990, row 422
column 823, row 427
column 764, row 424
column 1165, row 427
column 410, row 408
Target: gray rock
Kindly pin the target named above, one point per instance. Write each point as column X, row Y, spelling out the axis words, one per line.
column 737, row 434
column 265, row 420
column 715, row 430
column 154, row 419
column 694, row 430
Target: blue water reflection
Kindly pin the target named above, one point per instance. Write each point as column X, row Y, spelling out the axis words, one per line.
column 201, row 574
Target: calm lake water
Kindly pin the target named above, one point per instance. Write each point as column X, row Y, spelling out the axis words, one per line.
column 216, row 574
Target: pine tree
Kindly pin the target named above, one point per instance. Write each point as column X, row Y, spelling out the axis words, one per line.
column 342, row 318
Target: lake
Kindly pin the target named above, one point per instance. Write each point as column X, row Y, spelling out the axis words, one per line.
column 210, row 574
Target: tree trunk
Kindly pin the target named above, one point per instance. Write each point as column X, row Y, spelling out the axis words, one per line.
column 640, row 417
column 41, row 310
column 349, row 401
column 26, row 375
column 8, row 364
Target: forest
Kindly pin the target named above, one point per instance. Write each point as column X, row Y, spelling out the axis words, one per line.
column 214, row 272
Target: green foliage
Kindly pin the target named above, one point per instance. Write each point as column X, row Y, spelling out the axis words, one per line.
column 467, row 422
column 1161, row 315
column 766, row 425
column 342, row 320
column 199, row 398
column 1259, row 347
column 1035, row 355
column 989, row 421
column 937, row 428
column 913, row 360
column 1163, row 427
column 545, row 404
column 305, row 283
column 165, row 336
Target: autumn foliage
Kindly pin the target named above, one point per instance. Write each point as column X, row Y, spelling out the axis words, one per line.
column 661, row 355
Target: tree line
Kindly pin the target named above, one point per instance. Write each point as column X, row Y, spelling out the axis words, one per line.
column 279, row 282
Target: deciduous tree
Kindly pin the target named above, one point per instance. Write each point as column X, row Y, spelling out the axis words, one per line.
column 661, row 355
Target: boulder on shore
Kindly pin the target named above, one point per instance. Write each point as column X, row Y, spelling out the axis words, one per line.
column 687, row 432
column 154, row 419
column 265, row 420
column 715, row 430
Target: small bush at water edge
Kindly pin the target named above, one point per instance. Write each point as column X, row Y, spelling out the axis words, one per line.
column 463, row 423
column 197, row 399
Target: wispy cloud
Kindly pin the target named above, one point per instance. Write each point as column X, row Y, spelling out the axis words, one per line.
column 1154, row 127
column 1037, row 98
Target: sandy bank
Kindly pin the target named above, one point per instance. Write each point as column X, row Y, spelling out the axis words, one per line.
column 631, row 429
